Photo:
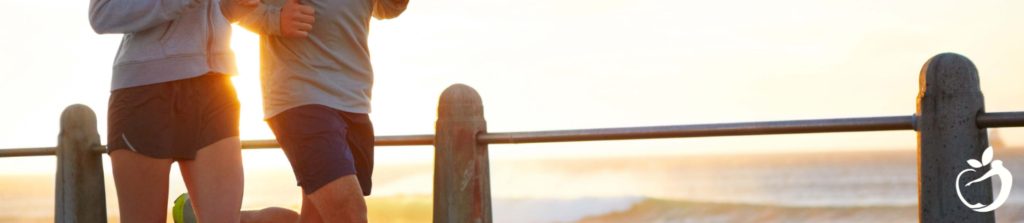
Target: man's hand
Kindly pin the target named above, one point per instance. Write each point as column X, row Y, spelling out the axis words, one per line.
column 296, row 19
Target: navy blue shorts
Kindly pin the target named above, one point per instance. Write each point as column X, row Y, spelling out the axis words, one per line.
column 324, row 144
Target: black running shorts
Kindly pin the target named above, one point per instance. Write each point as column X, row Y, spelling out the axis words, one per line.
column 173, row 119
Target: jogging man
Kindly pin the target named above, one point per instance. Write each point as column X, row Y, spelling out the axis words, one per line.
column 316, row 99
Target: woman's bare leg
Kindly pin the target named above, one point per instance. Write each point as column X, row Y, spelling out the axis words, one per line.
column 215, row 181
column 141, row 184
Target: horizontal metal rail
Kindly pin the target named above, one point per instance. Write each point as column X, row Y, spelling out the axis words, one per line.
column 40, row 151
column 985, row 120
column 401, row 140
column 706, row 130
column 1000, row 119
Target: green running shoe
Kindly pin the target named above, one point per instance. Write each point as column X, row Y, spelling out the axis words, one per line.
column 183, row 212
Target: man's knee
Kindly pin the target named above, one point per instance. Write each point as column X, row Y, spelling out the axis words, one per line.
column 343, row 197
column 342, row 191
column 271, row 214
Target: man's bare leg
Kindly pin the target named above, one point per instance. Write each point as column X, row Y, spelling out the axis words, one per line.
column 277, row 215
column 310, row 214
column 141, row 184
column 270, row 215
column 340, row 200
column 215, row 181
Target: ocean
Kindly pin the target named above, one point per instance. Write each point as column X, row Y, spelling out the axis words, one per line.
column 861, row 186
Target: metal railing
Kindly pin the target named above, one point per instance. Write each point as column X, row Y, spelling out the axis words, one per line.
column 950, row 122
column 866, row 124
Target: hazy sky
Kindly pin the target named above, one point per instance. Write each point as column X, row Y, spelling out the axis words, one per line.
column 569, row 64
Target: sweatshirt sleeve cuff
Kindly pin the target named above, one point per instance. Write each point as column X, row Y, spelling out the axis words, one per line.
column 273, row 19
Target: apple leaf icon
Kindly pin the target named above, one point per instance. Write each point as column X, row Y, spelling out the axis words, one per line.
column 986, row 157
column 974, row 163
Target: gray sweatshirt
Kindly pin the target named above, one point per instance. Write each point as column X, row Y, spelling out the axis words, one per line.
column 164, row 40
column 330, row 67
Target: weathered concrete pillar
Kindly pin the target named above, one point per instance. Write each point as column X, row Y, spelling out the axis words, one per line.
column 947, row 136
column 80, row 195
column 462, row 188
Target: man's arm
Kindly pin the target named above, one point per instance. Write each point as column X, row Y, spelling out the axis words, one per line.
column 292, row 19
column 127, row 16
column 388, row 9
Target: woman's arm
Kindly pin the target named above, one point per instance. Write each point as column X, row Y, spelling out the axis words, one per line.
column 127, row 16
column 292, row 19
column 234, row 11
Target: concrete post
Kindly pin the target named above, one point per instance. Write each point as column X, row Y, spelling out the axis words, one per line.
column 462, row 188
column 948, row 104
column 80, row 195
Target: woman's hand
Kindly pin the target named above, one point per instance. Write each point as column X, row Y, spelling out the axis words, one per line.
column 248, row 3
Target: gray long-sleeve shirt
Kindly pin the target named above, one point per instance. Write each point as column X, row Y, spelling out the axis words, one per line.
column 330, row 67
column 164, row 40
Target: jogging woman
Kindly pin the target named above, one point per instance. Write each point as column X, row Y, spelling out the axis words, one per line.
column 172, row 101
